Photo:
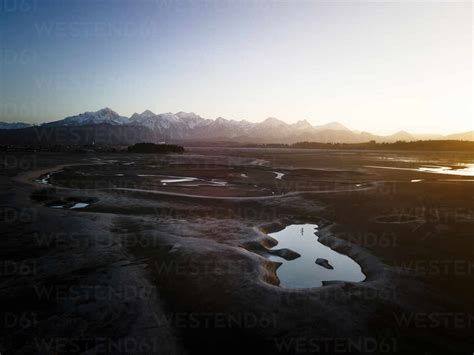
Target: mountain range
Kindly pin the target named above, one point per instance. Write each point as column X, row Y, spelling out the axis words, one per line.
column 190, row 127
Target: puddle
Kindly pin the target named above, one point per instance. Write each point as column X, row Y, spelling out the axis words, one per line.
column 184, row 179
column 79, row 205
column 44, row 179
column 259, row 162
column 278, row 175
column 218, row 182
column 304, row 271
column 72, row 203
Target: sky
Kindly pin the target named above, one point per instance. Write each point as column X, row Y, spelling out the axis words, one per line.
column 378, row 66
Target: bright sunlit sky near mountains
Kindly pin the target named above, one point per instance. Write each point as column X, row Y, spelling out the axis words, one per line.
column 373, row 66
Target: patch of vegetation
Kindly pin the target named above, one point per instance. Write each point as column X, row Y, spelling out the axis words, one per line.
column 155, row 148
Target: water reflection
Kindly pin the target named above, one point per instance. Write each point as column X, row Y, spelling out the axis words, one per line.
column 462, row 170
column 459, row 170
column 304, row 272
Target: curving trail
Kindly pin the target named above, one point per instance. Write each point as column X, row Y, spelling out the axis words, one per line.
column 238, row 198
column 31, row 177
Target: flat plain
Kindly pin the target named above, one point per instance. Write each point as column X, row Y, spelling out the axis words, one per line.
column 170, row 253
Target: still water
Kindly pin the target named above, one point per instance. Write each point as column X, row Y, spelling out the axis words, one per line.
column 304, row 272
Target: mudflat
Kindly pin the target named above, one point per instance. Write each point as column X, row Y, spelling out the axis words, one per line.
column 149, row 253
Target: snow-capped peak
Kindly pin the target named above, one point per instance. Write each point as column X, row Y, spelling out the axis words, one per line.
column 302, row 124
column 143, row 115
column 14, row 125
column 105, row 115
column 221, row 120
column 148, row 113
column 191, row 119
column 336, row 126
column 272, row 121
column 189, row 115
